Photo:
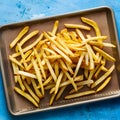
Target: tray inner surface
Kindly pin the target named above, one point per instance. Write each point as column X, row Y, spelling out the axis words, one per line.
column 19, row 104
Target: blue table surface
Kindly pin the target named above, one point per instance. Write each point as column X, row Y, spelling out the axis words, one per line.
column 21, row 10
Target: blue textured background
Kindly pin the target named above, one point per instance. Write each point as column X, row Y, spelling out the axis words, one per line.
column 20, row 10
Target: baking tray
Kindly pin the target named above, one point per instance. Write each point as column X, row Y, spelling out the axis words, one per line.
column 17, row 105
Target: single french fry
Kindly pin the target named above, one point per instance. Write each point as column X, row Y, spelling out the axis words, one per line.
column 77, row 26
column 55, row 27
column 104, row 84
column 26, row 74
column 56, row 67
column 95, row 38
column 60, row 92
column 80, row 34
column 58, row 82
column 28, row 37
column 103, row 77
column 79, row 64
column 53, row 57
column 86, row 59
column 26, row 95
column 31, row 91
column 38, row 75
column 93, row 24
column 91, row 58
column 50, row 67
column 40, row 63
column 52, row 99
column 33, row 44
column 37, row 91
column 22, row 54
column 107, row 56
column 19, row 36
column 80, row 94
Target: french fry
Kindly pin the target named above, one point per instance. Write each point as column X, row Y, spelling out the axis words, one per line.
column 58, row 82
column 107, row 56
column 98, row 81
column 22, row 55
column 38, row 93
column 19, row 36
column 40, row 63
column 29, row 36
column 60, row 92
column 104, row 84
column 33, row 44
column 80, row 94
column 26, row 74
column 92, row 65
column 55, row 27
column 31, row 91
column 93, row 24
column 52, row 99
column 26, row 95
column 79, row 64
column 38, row 74
column 50, row 68
column 80, row 34
column 56, row 67
column 77, row 26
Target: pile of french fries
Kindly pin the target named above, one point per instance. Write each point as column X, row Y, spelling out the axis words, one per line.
column 59, row 59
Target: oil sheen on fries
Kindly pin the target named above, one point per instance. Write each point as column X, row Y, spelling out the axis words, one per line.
column 61, row 59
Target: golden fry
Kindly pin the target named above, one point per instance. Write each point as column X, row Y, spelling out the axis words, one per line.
column 19, row 36
column 38, row 93
column 75, row 95
column 107, row 56
column 26, row 95
column 55, row 27
column 31, row 92
column 103, row 77
column 77, row 26
column 38, row 74
column 104, row 84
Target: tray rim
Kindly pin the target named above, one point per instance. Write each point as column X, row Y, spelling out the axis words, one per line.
column 66, row 105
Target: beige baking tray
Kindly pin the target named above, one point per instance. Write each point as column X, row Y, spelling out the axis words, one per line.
column 17, row 105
